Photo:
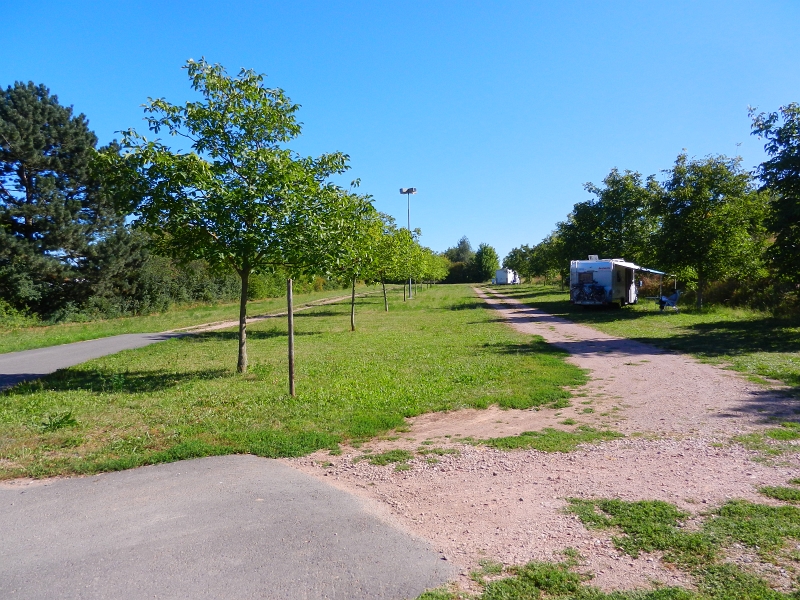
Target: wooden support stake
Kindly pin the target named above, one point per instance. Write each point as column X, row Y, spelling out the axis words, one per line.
column 290, row 313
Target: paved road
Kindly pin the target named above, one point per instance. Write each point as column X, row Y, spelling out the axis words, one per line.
column 222, row 527
column 32, row 364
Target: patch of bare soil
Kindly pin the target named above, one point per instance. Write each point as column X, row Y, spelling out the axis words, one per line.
column 678, row 415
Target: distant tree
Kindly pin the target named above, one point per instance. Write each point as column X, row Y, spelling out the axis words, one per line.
column 618, row 223
column 460, row 257
column 386, row 266
column 53, row 209
column 239, row 196
column 485, row 263
column 781, row 175
column 406, row 249
column 712, row 221
column 436, row 266
column 462, row 252
column 519, row 260
column 549, row 259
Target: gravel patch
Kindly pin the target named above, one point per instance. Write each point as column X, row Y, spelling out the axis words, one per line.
column 677, row 413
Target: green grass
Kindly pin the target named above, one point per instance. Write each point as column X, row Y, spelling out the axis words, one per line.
column 387, row 458
column 544, row 580
column 773, row 441
column 751, row 342
column 552, row 440
column 182, row 398
column 26, row 338
column 649, row 526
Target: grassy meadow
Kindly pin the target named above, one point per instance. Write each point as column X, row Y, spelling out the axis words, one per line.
column 26, row 338
column 182, row 398
column 751, row 342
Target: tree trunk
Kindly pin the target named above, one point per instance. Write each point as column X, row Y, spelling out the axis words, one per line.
column 290, row 314
column 385, row 300
column 241, row 366
column 353, row 307
column 701, row 284
column 404, row 292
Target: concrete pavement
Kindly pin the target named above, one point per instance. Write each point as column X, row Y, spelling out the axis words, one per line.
column 222, row 527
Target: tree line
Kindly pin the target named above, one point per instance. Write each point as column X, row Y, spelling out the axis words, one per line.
column 722, row 230
column 469, row 266
column 231, row 212
column 74, row 242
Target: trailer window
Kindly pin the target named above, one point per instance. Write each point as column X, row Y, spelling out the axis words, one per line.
column 586, row 277
column 619, row 277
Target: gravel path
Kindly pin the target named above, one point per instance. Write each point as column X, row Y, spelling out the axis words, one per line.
column 677, row 413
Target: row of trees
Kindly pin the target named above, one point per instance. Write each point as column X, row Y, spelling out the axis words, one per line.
column 469, row 266
column 707, row 220
column 75, row 219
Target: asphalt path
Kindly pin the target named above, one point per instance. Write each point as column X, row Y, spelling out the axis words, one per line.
column 221, row 527
column 16, row 367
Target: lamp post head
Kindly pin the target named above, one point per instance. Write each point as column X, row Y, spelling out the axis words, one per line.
column 408, row 190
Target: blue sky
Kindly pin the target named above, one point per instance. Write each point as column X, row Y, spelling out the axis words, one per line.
column 498, row 112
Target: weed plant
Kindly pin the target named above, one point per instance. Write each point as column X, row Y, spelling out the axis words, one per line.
column 552, row 440
column 182, row 398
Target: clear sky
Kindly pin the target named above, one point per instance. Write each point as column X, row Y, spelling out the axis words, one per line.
column 498, row 112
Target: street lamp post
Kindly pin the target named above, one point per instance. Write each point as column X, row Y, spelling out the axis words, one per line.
column 408, row 192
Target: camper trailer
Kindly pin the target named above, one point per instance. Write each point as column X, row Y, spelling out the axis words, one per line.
column 506, row 276
column 603, row 281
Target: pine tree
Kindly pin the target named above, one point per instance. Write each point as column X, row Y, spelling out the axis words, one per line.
column 52, row 209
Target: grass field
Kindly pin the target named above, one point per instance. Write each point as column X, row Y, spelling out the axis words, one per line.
column 748, row 341
column 182, row 398
column 26, row 338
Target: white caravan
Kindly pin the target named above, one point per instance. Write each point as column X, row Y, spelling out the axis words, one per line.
column 604, row 281
column 506, row 276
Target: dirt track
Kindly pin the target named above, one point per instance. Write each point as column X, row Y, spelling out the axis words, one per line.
column 677, row 413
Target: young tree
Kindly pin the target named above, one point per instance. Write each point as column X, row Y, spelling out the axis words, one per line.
column 781, row 175
column 359, row 240
column 238, row 196
column 52, row 207
column 405, row 247
column 436, row 266
column 711, row 221
column 485, row 263
column 387, row 255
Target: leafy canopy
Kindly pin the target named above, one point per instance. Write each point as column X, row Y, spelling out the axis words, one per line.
column 238, row 195
column 781, row 175
column 711, row 221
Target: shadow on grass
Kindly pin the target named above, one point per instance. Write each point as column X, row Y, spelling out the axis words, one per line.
column 252, row 334
column 466, row 305
column 128, row 382
column 320, row 313
column 769, row 406
column 537, row 347
column 720, row 338
column 737, row 337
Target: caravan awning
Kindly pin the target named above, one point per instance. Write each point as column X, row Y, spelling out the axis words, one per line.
column 650, row 271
